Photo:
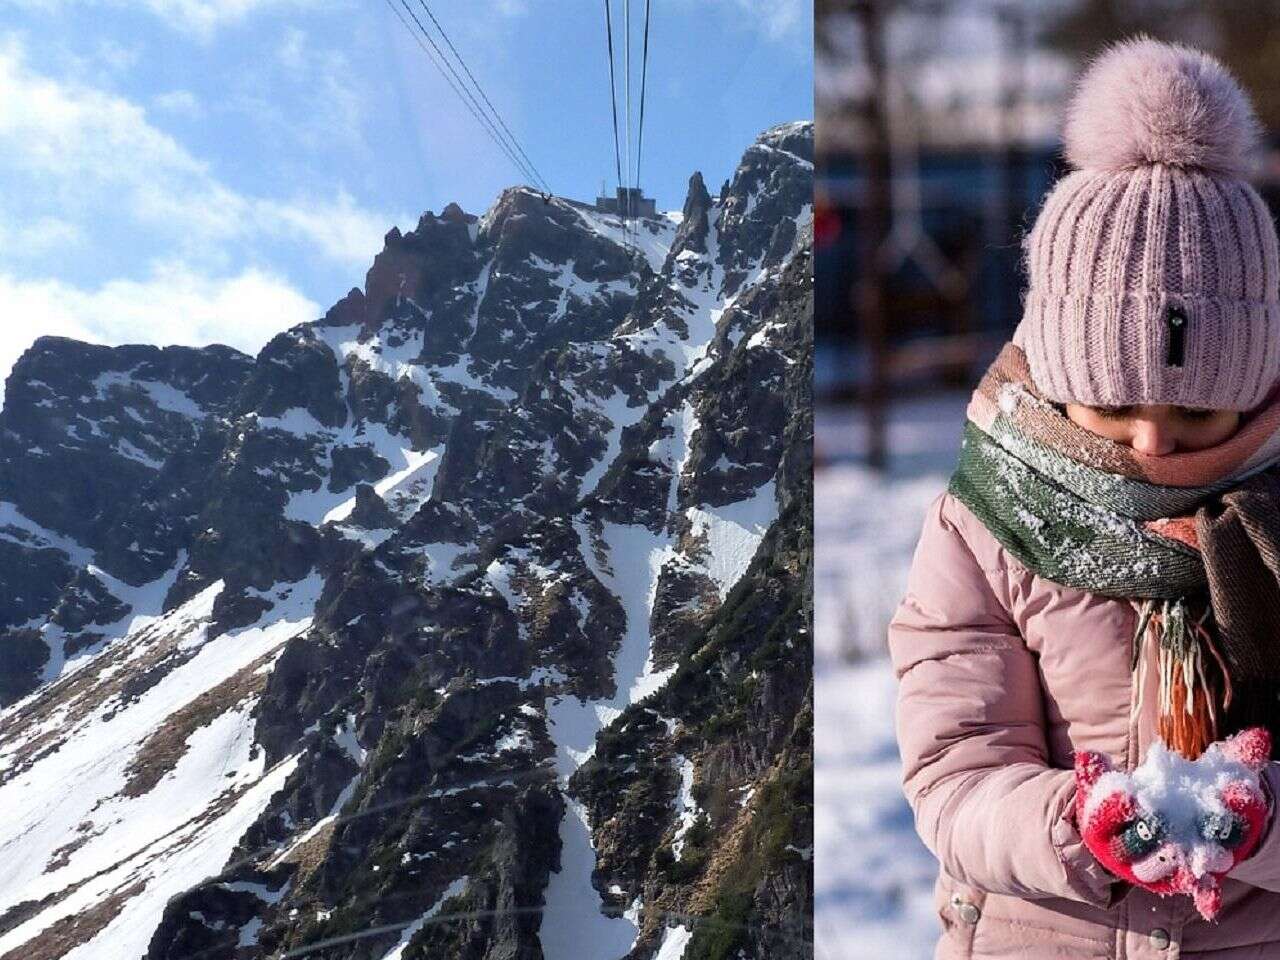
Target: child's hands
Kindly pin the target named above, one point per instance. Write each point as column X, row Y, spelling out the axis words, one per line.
column 1175, row 825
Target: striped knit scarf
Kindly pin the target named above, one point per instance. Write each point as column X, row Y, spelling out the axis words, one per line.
column 1192, row 539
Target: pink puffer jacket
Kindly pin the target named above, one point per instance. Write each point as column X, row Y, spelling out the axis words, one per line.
column 1002, row 675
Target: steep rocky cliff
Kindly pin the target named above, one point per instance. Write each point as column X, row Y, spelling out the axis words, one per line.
column 470, row 620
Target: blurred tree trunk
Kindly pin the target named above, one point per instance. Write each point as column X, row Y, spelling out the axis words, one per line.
column 870, row 293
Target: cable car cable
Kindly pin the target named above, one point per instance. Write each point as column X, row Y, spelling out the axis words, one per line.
column 494, row 110
column 644, row 72
column 613, row 102
column 434, row 58
column 466, row 92
column 626, row 193
column 613, row 95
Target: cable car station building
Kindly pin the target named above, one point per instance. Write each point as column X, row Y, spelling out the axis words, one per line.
column 628, row 200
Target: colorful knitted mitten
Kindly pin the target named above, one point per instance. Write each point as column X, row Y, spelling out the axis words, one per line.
column 1175, row 825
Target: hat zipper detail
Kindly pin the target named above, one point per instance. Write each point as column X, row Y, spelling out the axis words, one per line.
column 1177, row 321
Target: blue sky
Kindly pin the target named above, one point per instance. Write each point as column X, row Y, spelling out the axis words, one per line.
column 195, row 171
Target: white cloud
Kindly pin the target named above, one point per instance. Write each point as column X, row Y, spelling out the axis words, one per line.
column 180, row 103
column 293, row 48
column 116, row 56
column 204, row 17
column 780, row 21
column 199, row 18
column 83, row 148
column 777, row 18
column 341, row 230
column 70, row 130
column 315, row 97
column 22, row 240
column 174, row 305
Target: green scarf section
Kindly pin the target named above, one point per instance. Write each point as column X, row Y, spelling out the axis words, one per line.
column 1074, row 524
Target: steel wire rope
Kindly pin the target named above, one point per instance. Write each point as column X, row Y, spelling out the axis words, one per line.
column 494, row 110
column 511, row 777
column 460, row 88
column 307, row 949
column 644, row 75
column 366, row 932
column 435, row 59
column 613, row 94
column 613, row 102
column 626, row 191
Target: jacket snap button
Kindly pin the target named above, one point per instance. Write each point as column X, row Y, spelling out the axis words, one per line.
column 968, row 912
column 1159, row 938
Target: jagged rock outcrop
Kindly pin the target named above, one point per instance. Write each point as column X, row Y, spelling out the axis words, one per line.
column 456, row 623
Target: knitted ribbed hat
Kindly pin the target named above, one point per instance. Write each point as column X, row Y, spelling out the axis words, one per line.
column 1153, row 266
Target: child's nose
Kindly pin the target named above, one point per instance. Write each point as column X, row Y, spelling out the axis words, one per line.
column 1153, row 437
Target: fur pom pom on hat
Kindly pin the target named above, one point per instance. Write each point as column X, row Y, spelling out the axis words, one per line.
column 1154, row 266
column 1143, row 101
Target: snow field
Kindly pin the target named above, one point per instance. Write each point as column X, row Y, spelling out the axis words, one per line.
column 873, row 876
column 453, row 890
column 144, row 604
column 183, row 828
column 686, row 807
column 36, row 536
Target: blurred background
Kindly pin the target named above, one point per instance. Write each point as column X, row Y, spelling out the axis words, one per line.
column 938, row 136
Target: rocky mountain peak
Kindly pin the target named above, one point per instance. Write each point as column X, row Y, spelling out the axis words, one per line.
column 692, row 234
column 453, row 624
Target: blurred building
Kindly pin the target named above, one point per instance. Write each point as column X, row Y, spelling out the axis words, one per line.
column 964, row 229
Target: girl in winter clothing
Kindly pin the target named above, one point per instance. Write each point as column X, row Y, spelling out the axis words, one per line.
column 1098, row 587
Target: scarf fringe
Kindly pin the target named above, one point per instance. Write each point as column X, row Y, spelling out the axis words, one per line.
column 1187, row 716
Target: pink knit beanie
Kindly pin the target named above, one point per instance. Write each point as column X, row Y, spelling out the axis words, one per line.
column 1153, row 266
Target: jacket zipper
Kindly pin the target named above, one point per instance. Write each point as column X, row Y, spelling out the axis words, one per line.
column 1135, row 652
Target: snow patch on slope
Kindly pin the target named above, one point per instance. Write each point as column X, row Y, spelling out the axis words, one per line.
column 674, row 941
column 573, row 928
column 404, row 488
column 686, row 807
column 191, row 854
column 733, row 533
column 163, row 395
column 634, row 556
column 651, row 236
column 628, row 560
column 144, row 602
column 453, row 890
column 182, row 827
column 29, row 534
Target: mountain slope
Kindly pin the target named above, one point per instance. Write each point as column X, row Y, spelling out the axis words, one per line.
column 345, row 643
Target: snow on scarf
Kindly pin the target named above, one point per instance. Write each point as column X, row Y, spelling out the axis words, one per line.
column 1192, row 538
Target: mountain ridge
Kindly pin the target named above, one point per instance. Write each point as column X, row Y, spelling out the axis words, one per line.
column 404, row 568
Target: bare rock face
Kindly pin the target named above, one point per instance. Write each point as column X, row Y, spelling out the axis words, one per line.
column 469, row 620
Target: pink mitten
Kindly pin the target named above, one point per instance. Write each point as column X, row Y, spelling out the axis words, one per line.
column 1175, row 825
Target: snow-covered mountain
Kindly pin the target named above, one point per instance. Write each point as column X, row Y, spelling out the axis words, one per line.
column 470, row 620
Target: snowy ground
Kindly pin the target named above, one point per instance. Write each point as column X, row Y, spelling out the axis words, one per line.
column 873, row 876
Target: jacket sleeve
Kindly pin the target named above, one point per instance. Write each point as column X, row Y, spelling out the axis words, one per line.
column 1262, row 867
column 970, row 729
